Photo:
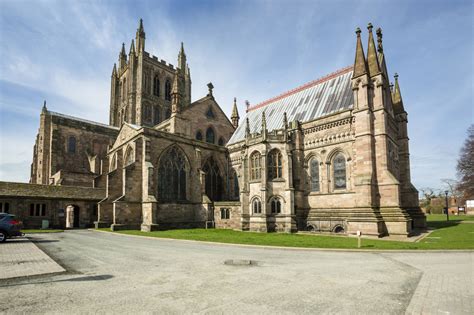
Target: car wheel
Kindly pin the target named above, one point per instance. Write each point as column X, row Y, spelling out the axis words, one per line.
column 3, row 236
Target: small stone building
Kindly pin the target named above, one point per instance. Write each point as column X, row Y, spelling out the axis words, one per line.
column 34, row 203
column 329, row 156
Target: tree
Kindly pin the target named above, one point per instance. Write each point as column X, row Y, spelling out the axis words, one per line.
column 428, row 194
column 452, row 186
column 465, row 166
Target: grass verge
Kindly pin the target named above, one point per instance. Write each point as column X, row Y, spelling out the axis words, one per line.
column 446, row 235
column 33, row 231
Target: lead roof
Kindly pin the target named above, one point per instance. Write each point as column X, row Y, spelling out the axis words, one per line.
column 313, row 100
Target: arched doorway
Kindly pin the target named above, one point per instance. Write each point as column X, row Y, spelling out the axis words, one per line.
column 72, row 216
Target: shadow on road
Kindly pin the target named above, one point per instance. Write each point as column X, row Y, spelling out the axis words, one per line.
column 78, row 279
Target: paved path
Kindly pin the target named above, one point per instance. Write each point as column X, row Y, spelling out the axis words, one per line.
column 19, row 257
column 111, row 273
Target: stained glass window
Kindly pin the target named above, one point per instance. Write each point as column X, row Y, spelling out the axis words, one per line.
column 236, row 187
column 314, row 172
column 71, row 145
column 256, row 206
column 213, row 180
column 156, row 86
column 274, row 164
column 156, row 115
column 276, row 205
column 339, row 172
column 172, row 174
column 255, row 169
column 210, row 137
column 199, row 136
column 168, row 90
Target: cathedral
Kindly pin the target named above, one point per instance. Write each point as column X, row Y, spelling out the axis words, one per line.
column 329, row 156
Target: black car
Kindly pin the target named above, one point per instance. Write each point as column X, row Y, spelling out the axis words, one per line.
column 9, row 227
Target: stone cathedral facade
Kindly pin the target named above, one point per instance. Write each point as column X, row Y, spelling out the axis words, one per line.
column 329, row 156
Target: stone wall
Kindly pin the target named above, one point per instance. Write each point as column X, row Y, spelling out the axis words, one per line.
column 52, row 154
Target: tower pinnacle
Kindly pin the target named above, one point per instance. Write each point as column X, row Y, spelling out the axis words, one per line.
column 372, row 60
column 140, row 37
column 175, row 94
column 122, row 57
column 235, row 114
column 360, row 64
column 182, row 59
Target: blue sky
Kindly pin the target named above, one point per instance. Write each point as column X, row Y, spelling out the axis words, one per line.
column 64, row 51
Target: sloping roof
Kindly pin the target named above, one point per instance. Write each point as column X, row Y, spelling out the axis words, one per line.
column 22, row 190
column 82, row 120
column 312, row 100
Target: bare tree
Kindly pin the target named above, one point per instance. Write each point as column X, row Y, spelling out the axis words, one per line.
column 453, row 190
column 465, row 166
column 428, row 194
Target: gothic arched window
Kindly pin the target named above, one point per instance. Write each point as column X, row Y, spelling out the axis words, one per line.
column 71, row 144
column 314, row 174
column 147, row 112
column 274, row 164
column 339, row 168
column 220, row 141
column 156, row 115
column 275, row 205
column 199, row 135
column 168, row 113
column 210, row 136
column 255, row 168
column 236, row 186
column 168, row 90
column 214, row 181
column 256, row 206
column 156, row 85
column 129, row 156
column 124, row 90
column 172, row 174
column 113, row 163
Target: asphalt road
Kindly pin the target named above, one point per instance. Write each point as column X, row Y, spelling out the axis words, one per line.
column 108, row 273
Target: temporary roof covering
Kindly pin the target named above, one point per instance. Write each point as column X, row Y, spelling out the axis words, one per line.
column 315, row 99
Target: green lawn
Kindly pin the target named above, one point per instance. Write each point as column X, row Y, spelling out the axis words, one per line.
column 442, row 217
column 31, row 231
column 447, row 235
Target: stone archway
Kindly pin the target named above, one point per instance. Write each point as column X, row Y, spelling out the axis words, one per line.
column 72, row 216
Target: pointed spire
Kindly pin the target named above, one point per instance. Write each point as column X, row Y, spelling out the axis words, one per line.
column 132, row 48
column 122, row 57
column 114, row 70
column 182, row 59
column 285, row 121
column 397, row 97
column 247, row 128
column 360, row 65
column 140, row 38
column 235, row 114
column 140, row 27
column 175, row 94
column 44, row 109
column 188, row 72
column 372, row 59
